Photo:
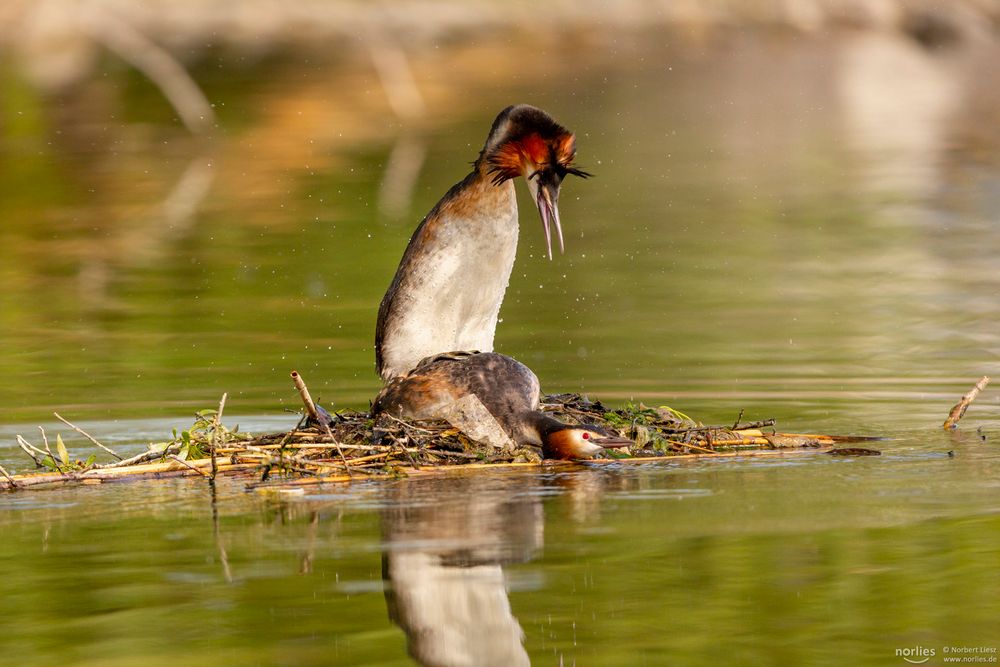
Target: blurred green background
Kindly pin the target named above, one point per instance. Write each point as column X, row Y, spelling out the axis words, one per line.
column 222, row 195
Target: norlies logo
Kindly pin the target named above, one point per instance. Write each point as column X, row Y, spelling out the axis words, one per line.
column 916, row 655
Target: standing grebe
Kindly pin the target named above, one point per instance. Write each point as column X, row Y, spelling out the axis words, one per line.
column 447, row 291
column 507, row 389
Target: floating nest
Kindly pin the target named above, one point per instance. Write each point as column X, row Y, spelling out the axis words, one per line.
column 350, row 445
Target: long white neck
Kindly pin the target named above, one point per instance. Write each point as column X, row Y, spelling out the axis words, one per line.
column 449, row 286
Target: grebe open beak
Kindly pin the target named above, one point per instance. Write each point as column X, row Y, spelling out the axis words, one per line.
column 612, row 441
column 544, row 187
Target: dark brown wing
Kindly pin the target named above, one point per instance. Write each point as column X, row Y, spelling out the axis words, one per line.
column 507, row 388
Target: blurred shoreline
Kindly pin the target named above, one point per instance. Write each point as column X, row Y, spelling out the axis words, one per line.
column 59, row 42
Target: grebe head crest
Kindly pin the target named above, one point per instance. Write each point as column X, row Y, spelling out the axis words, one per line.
column 526, row 141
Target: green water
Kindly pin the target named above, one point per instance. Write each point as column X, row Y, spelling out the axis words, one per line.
column 801, row 561
column 780, row 226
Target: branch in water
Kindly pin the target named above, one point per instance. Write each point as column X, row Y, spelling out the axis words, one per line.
column 958, row 411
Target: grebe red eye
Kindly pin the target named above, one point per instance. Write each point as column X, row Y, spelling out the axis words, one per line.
column 586, row 435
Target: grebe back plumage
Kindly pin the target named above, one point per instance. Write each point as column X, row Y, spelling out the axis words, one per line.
column 508, row 389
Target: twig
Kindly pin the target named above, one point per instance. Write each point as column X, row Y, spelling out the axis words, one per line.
column 412, row 426
column 45, row 440
column 300, row 384
column 340, row 452
column 142, row 458
column 284, row 441
column 738, row 418
column 13, row 482
column 413, row 461
column 148, row 471
column 87, row 436
column 958, row 411
column 446, row 453
column 307, row 400
column 217, row 424
column 183, row 462
column 760, row 423
column 694, row 447
column 27, row 447
column 294, row 459
column 365, row 459
column 739, row 427
column 373, row 457
column 312, row 444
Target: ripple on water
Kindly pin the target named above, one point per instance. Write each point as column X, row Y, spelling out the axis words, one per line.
column 649, row 494
column 32, row 503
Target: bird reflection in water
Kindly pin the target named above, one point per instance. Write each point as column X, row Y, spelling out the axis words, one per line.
column 446, row 544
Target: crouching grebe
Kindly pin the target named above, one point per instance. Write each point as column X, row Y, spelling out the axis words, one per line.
column 447, row 291
column 509, row 391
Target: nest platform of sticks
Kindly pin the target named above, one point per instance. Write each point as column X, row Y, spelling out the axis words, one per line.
column 349, row 445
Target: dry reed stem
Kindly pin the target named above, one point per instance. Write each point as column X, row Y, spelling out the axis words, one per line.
column 144, row 470
column 304, row 394
column 142, row 458
column 217, row 423
column 48, row 450
column 10, row 479
column 185, row 463
column 688, row 445
column 28, row 447
column 300, row 384
column 87, row 436
column 294, row 460
column 958, row 411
